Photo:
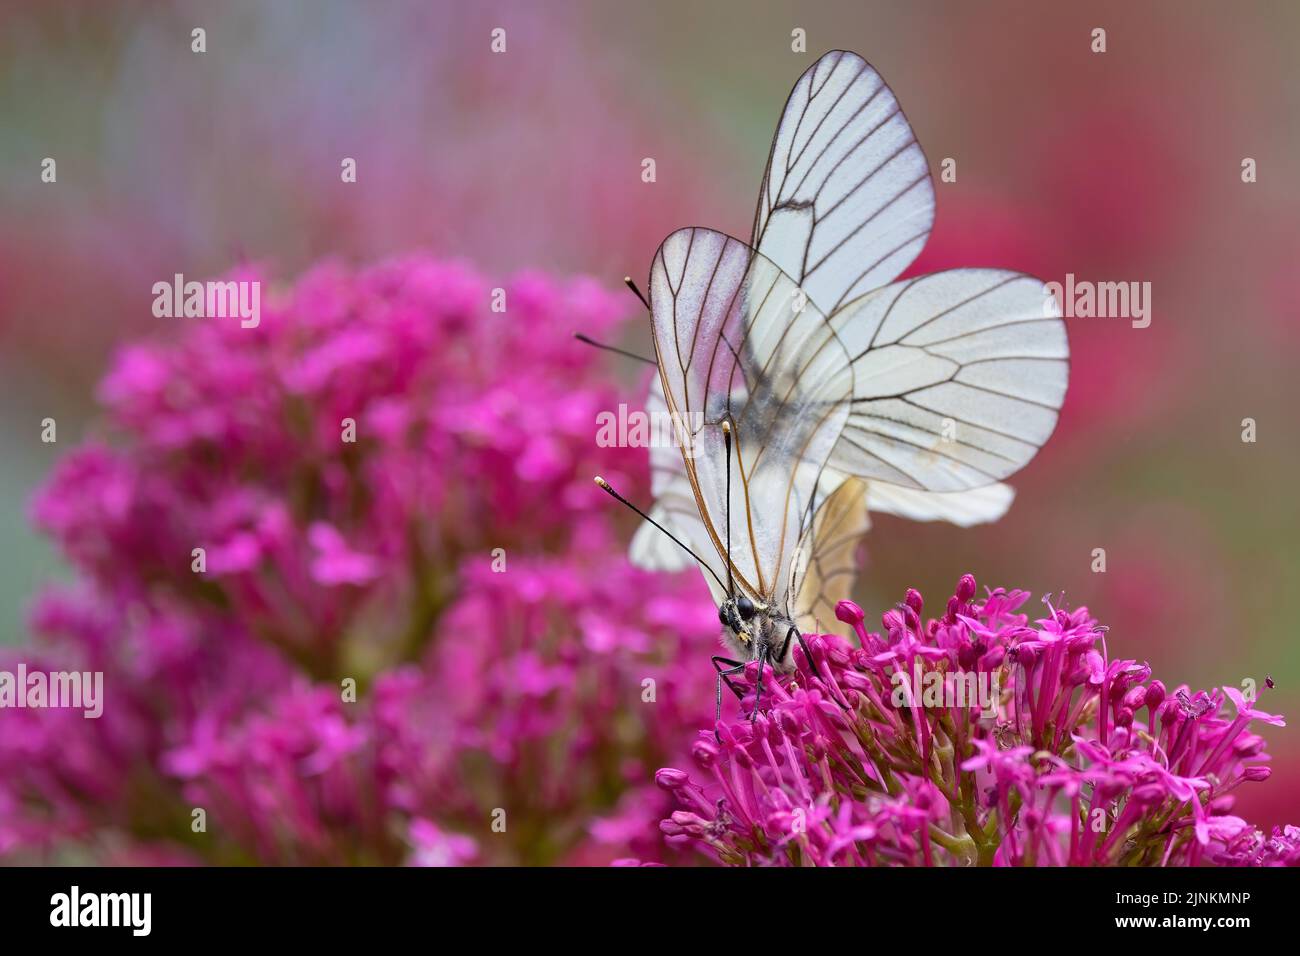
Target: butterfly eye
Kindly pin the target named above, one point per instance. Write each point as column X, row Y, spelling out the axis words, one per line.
column 746, row 608
column 726, row 615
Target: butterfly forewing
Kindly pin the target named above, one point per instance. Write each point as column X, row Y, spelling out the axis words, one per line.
column 674, row 506
column 846, row 202
column 737, row 341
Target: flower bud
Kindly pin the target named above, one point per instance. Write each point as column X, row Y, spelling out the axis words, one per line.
column 1155, row 695
column 690, row 822
column 953, row 607
column 775, row 734
column 1135, row 698
column 671, row 779
column 1149, row 793
column 1170, row 714
column 849, row 613
column 705, row 753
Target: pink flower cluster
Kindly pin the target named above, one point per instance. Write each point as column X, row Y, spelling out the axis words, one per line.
column 410, row 634
column 356, row 600
column 887, row 753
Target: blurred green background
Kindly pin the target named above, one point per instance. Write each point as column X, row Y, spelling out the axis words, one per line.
column 1120, row 166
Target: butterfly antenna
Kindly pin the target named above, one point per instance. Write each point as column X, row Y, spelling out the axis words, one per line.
column 607, row 487
column 588, row 340
column 726, row 439
column 627, row 281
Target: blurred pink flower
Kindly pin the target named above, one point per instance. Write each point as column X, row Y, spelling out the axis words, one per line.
column 335, row 562
column 345, row 677
column 433, row 847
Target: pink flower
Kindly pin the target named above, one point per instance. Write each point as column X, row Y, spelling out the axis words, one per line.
column 410, row 608
column 1060, row 757
column 433, row 847
column 335, row 562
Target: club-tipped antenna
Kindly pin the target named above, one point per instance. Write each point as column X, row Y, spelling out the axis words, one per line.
column 588, row 340
column 726, row 440
column 608, row 488
column 627, row 281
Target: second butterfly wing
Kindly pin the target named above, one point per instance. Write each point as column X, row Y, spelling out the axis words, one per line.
column 847, row 201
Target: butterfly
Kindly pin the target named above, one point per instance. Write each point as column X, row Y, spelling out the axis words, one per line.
column 809, row 386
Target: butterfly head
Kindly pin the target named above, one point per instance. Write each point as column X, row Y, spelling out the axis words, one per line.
column 737, row 614
column 754, row 630
column 745, row 619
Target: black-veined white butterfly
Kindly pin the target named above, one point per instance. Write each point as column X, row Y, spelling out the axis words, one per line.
column 815, row 388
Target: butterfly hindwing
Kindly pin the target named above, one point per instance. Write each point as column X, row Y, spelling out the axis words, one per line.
column 827, row 564
column 962, row 508
column 958, row 377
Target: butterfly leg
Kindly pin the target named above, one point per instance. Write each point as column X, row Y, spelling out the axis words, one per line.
column 763, row 652
column 785, row 645
column 723, row 675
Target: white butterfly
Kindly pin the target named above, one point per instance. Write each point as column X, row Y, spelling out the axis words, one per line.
column 815, row 388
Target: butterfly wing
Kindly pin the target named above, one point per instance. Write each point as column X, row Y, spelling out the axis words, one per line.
column 737, row 341
column 846, row 202
column 674, row 506
column 962, row 508
column 827, row 564
column 958, row 377
column 675, row 509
